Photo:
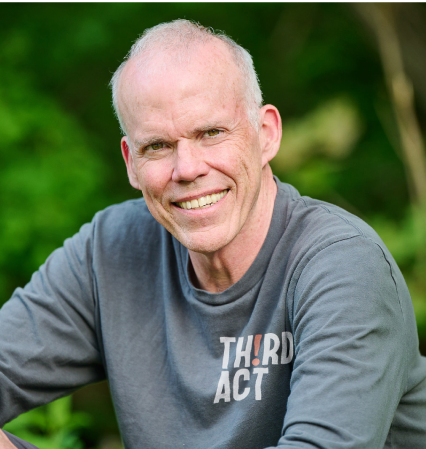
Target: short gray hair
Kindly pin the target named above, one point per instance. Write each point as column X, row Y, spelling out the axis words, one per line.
column 182, row 33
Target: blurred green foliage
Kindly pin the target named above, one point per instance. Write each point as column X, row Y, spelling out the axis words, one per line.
column 47, row 174
column 60, row 159
column 52, row 426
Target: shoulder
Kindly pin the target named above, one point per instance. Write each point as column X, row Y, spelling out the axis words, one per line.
column 126, row 227
column 124, row 219
column 312, row 225
column 328, row 246
column 127, row 213
column 118, row 230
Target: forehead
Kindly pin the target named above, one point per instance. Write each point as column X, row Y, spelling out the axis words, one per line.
column 165, row 87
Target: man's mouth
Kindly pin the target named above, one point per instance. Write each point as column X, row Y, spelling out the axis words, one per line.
column 202, row 202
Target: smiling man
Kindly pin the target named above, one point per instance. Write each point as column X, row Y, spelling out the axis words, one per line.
column 226, row 310
column 197, row 145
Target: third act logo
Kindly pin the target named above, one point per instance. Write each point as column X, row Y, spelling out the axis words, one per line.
column 276, row 350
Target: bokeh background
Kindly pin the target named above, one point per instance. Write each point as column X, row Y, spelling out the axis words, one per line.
column 349, row 81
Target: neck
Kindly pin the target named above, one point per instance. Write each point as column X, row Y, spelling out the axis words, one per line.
column 217, row 271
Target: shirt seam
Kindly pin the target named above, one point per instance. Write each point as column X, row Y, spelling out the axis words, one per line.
column 306, row 261
column 350, row 223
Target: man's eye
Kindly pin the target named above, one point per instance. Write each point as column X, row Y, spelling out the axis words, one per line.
column 155, row 146
column 212, row 132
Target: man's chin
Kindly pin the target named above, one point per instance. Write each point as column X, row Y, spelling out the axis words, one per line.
column 204, row 244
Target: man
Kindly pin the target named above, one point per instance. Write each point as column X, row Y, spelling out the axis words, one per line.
column 225, row 310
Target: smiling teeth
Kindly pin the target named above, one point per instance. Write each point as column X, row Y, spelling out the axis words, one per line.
column 204, row 201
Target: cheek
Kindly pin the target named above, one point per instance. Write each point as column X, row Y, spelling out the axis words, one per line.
column 153, row 177
column 243, row 161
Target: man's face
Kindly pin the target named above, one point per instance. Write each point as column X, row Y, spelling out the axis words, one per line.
column 193, row 152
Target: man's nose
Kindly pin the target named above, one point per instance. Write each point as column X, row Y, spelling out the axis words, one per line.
column 189, row 162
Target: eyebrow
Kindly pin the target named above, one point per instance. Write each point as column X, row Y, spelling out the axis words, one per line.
column 212, row 125
column 149, row 141
column 158, row 139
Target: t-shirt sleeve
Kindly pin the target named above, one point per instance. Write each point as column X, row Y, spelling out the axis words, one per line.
column 351, row 344
column 48, row 343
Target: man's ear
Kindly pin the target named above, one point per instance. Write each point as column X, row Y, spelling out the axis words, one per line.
column 130, row 165
column 270, row 132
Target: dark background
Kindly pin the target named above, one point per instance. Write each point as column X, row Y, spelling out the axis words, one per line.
column 324, row 67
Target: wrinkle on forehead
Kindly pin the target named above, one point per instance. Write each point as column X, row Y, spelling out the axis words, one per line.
column 210, row 65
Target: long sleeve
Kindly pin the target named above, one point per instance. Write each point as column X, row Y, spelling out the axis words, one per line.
column 48, row 344
column 351, row 341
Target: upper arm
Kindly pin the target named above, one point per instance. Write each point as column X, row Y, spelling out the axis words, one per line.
column 48, row 345
column 350, row 349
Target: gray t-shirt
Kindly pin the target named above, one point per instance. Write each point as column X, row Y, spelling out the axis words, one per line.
column 315, row 347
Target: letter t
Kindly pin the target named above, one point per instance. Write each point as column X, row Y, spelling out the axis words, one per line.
column 227, row 342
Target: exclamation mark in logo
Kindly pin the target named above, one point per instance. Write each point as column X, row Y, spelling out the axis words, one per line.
column 257, row 339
